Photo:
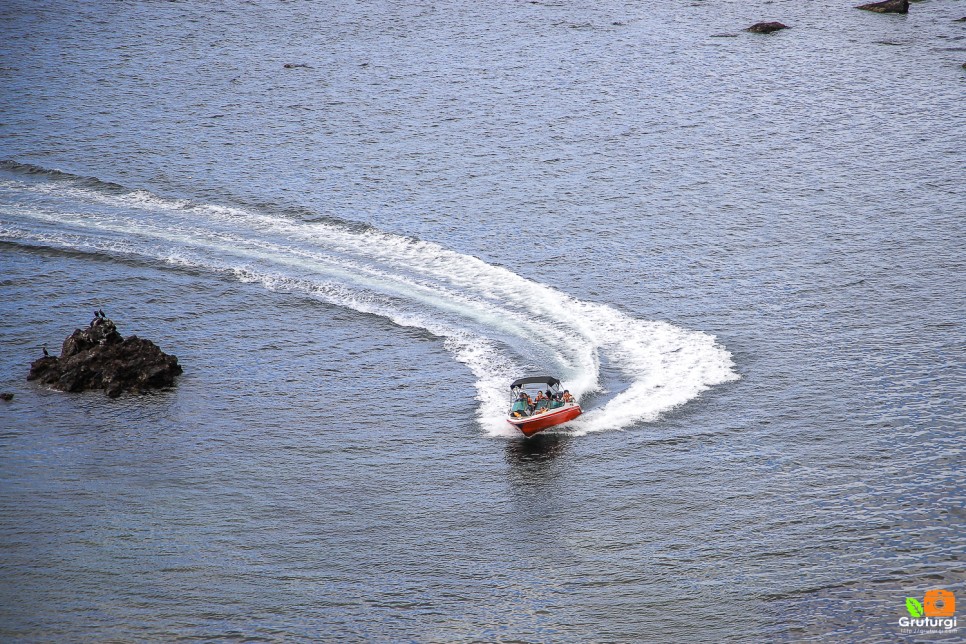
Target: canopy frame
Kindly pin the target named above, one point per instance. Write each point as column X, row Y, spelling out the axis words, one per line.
column 550, row 381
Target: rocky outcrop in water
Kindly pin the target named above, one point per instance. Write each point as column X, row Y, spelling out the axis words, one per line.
column 766, row 27
column 98, row 357
column 887, row 6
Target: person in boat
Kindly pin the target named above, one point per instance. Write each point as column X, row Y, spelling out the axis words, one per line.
column 523, row 405
column 541, row 402
column 556, row 400
column 567, row 398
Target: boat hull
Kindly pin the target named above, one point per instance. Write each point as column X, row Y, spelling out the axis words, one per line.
column 530, row 425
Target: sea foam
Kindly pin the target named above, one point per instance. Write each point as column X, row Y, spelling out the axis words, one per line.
column 499, row 324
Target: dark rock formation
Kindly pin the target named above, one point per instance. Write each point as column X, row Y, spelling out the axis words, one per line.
column 887, row 6
column 295, row 66
column 766, row 27
column 6, row 396
column 98, row 357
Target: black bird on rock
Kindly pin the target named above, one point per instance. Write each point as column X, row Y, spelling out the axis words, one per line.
column 46, row 355
column 103, row 316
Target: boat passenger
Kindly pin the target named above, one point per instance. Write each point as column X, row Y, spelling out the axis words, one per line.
column 567, row 398
column 521, row 407
column 524, row 397
column 541, row 403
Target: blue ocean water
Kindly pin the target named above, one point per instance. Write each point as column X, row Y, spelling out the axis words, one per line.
column 356, row 223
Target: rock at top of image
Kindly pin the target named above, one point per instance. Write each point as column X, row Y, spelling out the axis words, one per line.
column 887, row 6
column 766, row 27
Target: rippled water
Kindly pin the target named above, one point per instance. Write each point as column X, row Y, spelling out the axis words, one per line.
column 745, row 252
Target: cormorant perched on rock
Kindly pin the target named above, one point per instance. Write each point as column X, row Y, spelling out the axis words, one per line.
column 46, row 355
column 101, row 311
column 97, row 314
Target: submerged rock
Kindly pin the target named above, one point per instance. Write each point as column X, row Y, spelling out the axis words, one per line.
column 887, row 6
column 6, row 396
column 98, row 357
column 766, row 27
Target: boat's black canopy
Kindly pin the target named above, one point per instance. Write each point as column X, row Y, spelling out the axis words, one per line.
column 533, row 380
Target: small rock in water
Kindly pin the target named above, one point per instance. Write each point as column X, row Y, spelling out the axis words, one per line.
column 887, row 6
column 98, row 357
column 766, row 27
column 6, row 396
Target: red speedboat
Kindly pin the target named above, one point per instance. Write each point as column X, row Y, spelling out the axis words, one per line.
column 539, row 403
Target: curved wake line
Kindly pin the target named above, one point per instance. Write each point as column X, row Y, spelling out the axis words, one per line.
column 497, row 323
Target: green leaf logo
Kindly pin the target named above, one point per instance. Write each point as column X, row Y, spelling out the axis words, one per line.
column 913, row 606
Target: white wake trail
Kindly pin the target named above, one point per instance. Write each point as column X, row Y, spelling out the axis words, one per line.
column 497, row 323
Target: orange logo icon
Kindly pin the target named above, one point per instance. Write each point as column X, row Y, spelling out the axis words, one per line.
column 939, row 603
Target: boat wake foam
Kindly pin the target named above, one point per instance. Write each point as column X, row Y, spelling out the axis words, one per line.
column 497, row 323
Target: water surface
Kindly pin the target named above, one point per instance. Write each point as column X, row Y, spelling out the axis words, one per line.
column 745, row 253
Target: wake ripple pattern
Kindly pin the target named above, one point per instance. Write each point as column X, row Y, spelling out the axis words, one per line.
column 497, row 323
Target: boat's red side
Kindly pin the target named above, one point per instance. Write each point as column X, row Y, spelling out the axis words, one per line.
column 533, row 424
